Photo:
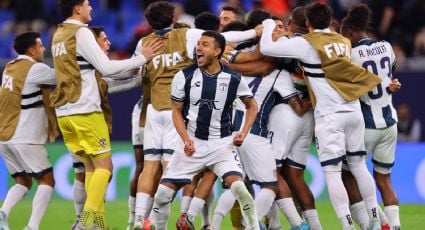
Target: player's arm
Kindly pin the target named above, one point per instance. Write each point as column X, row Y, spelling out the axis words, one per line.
column 234, row 56
column 254, row 68
column 177, row 98
column 193, row 35
column 300, row 106
column 250, row 116
column 90, row 50
column 41, row 74
column 121, row 85
column 244, row 93
column 283, row 47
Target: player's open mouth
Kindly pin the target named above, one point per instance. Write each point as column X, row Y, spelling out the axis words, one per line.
column 199, row 57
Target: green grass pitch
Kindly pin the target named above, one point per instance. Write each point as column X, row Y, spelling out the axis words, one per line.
column 60, row 216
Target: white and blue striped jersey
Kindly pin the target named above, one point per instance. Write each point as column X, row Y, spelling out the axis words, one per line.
column 378, row 58
column 208, row 100
column 269, row 90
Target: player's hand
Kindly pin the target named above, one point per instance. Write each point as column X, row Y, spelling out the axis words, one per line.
column 259, row 30
column 189, row 147
column 152, row 48
column 239, row 138
column 229, row 54
column 394, row 86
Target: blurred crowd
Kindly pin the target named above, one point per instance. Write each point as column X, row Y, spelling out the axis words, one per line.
column 399, row 21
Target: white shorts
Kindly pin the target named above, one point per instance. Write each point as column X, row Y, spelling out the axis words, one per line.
column 217, row 155
column 26, row 159
column 339, row 134
column 137, row 132
column 77, row 163
column 258, row 161
column 381, row 144
column 291, row 135
column 161, row 137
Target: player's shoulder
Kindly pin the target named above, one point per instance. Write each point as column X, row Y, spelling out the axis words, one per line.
column 231, row 72
column 188, row 71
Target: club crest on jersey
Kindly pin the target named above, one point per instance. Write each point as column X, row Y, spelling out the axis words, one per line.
column 206, row 102
column 222, row 87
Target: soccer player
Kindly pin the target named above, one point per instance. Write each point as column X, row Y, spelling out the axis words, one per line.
column 292, row 136
column 229, row 14
column 108, row 84
column 202, row 106
column 335, row 84
column 77, row 57
column 160, row 136
column 378, row 111
column 27, row 122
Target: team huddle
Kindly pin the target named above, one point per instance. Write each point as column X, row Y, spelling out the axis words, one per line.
column 239, row 101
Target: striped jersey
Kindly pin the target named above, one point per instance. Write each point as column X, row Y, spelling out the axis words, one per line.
column 208, row 100
column 378, row 58
column 268, row 90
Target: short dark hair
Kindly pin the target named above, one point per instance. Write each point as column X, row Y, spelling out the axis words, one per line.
column 24, row 41
column 219, row 40
column 235, row 26
column 256, row 17
column 236, row 10
column 97, row 30
column 67, row 6
column 358, row 18
column 160, row 14
column 207, row 21
column 318, row 15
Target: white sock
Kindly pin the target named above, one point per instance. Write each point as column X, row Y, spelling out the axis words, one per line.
column 185, row 204
column 79, row 194
column 366, row 186
column 393, row 215
column 274, row 219
column 312, row 217
column 39, row 205
column 224, row 204
column 382, row 216
column 131, row 207
column 142, row 203
column 359, row 214
column 246, row 202
column 14, row 195
column 195, row 208
column 264, row 201
column 161, row 206
column 339, row 198
column 206, row 210
column 287, row 206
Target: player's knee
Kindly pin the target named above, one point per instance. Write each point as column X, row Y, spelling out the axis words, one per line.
column 238, row 188
column 24, row 181
column 382, row 170
column 164, row 195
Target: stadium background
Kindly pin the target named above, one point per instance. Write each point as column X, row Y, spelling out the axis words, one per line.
column 124, row 24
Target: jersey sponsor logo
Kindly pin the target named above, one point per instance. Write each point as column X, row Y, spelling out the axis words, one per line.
column 59, row 49
column 339, row 48
column 102, row 142
column 206, row 102
column 167, row 60
column 197, row 84
column 7, row 82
